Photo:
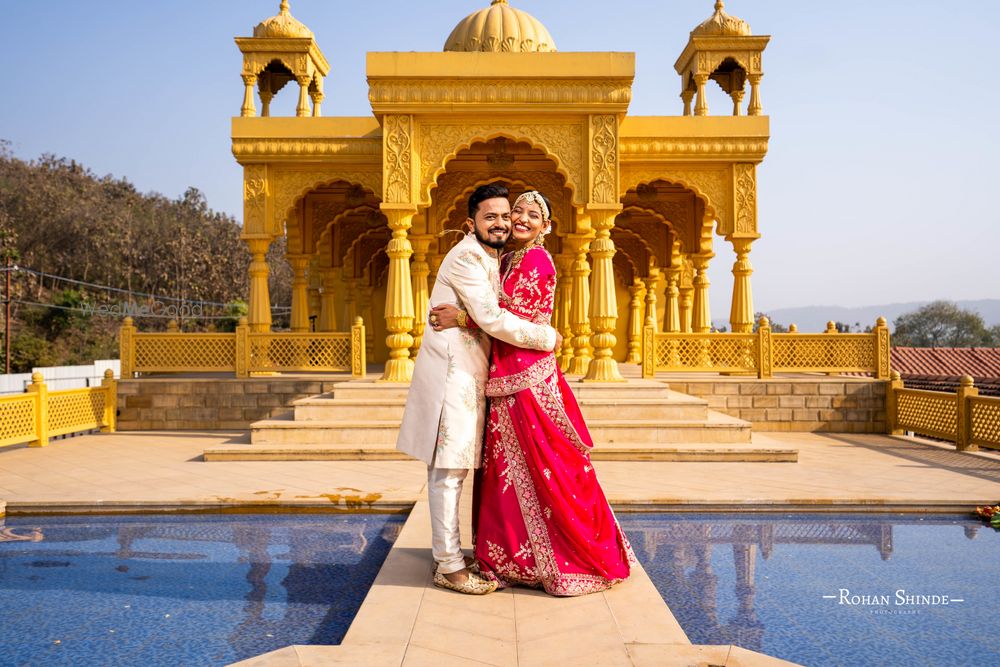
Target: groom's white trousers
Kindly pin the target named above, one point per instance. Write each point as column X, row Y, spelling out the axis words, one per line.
column 444, row 490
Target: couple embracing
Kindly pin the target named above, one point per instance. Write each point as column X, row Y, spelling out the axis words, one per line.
column 487, row 395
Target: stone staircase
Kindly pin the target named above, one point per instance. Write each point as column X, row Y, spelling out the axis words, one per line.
column 638, row 420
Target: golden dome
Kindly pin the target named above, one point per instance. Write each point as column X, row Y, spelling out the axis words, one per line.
column 282, row 25
column 500, row 28
column 721, row 24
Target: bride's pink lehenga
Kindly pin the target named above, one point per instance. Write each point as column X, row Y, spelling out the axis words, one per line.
column 540, row 517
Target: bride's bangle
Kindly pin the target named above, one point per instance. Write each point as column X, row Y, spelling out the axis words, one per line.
column 463, row 319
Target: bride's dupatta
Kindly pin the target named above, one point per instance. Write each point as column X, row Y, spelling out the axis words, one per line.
column 540, row 517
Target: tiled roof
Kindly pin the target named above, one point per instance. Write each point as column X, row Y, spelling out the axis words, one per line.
column 982, row 363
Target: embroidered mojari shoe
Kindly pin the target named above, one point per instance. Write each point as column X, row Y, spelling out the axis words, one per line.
column 471, row 563
column 474, row 585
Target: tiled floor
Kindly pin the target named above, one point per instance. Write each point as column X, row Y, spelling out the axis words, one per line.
column 405, row 620
column 155, row 467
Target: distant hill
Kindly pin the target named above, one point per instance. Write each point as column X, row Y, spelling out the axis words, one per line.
column 814, row 318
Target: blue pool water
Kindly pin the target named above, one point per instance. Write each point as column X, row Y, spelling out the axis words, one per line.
column 830, row 589
column 182, row 590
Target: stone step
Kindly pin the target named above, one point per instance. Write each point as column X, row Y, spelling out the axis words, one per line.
column 717, row 428
column 620, row 390
column 370, row 390
column 349, row 409
column 698, row 452
column 692, row 452
column 673, row 406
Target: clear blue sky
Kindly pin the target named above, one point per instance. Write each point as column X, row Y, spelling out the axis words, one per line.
column 883, row 115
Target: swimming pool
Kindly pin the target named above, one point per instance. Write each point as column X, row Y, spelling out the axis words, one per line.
column 182, row 590
column 821, row 589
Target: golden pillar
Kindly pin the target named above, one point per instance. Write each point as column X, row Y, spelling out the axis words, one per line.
column 317, row 98
column 420, row 269
column 248, row 110
column 351, row 301
column 672, row 322
column 399, row 295
column 604, row 302
column 686, row 97
column 701, row 103
column 580, row 310
column 701, row 315
column 328, row 301
column 563, row 321
column 302, row 109
column 737, row 96
column 315, row 292
column 754, row 107
column 654, row 282
column 635, row 322
column 259, row 315
column 265, row 100
column 434, row 263
column 300, row 293
column 741, row 313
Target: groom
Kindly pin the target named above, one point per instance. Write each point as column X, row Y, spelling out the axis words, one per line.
column 446, row 405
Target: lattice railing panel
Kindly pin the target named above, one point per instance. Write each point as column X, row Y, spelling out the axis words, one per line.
column 706, row 352
column 300, row 352
column 17, row 419
column 824, row 352
column 984, row 413
column 166, row 353
column 76, row 410
column 927, row 413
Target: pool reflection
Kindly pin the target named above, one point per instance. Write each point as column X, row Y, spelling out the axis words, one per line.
column 216, row 588
column 709, row 568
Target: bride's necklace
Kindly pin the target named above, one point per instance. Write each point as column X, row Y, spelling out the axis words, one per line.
column 518, row 256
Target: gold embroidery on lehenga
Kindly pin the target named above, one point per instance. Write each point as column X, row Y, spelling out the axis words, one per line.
column 546, row 570
column 555, row 409
column 532, row 375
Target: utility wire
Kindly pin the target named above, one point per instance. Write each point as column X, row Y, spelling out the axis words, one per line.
column 95, row 309
column 108, row 288
column 121, row 291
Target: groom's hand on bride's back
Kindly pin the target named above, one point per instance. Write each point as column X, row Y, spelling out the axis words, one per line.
column 443, row 317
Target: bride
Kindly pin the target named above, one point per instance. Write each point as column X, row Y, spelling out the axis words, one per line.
column 540, row 517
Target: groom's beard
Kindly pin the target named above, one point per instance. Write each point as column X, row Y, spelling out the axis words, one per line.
column 489, row 242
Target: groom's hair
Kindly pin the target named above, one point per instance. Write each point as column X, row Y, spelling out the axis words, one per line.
column 484, row 192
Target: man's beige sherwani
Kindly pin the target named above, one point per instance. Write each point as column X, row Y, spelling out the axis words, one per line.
column 446, row 406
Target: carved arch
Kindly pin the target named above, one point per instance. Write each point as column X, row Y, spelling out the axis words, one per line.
column 348, row 258
column 290, row 187
column 712, row 186
column 440, row 144
column 329, row 226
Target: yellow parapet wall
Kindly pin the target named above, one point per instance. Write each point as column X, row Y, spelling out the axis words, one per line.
column 38, row 414
column 764, row 353
column 242, row 352
column 965, row 418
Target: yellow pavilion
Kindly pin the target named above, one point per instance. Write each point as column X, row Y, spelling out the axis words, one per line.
column 370, row 205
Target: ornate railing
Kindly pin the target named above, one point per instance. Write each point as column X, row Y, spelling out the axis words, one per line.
column 765, row 353
column 38, row 414
column 241, row 352
column 963, row 417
